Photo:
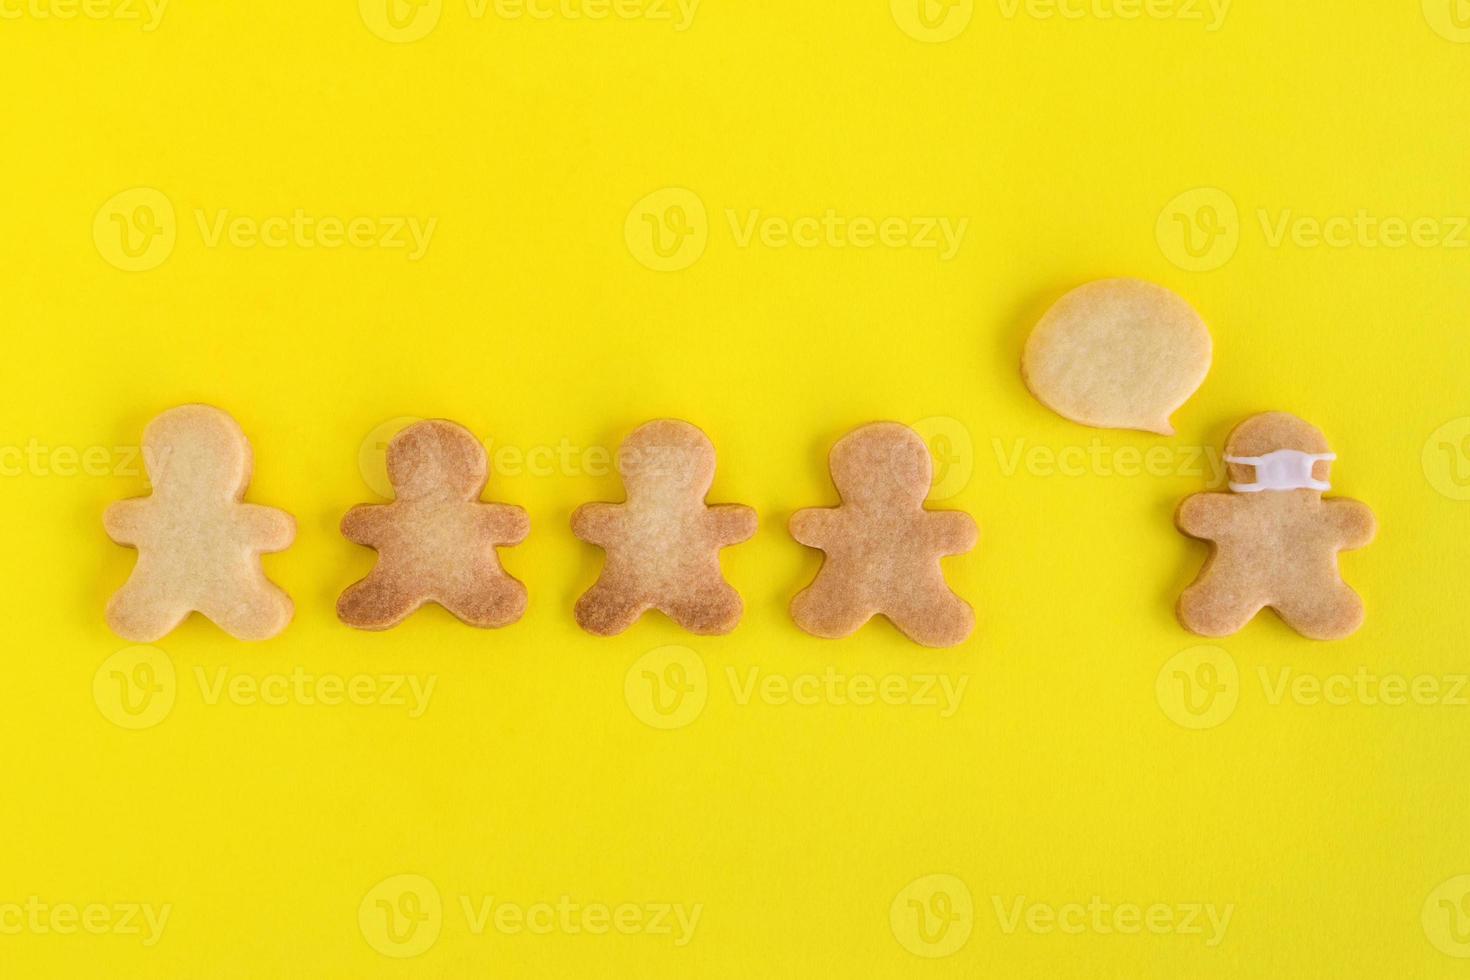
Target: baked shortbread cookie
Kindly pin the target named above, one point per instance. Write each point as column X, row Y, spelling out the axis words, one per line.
column 1118, row 354
column 663, row 544
column 1274, row 539
column 436, row 542
column 882, row 546
column 199, row 546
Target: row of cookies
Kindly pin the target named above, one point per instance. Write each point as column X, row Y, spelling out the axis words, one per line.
column 199, row 544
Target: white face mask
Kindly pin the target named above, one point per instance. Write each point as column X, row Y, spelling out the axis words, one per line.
column 1285, row 469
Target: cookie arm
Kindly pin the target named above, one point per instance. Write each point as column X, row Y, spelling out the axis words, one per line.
column 1354, row 522
column 813, row 527
column 506, row 524
column 267, row 529
column 594, row 523
column 953, row 531
column 731, row 523
column 124, row 521
column 362, row 524
column 1205, row 515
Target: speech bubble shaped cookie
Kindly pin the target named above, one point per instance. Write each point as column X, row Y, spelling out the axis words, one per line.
column 1274, row 538
column 1118, row 354
column 199, row 545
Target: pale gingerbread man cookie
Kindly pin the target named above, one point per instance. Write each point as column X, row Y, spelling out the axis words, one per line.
column 1275, row 540
column 663, row 545
column 198, row 546
column 436, row 542
column 882, row 546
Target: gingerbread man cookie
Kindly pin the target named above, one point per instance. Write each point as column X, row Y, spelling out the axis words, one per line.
column 663, row 545
column 199, row 546
column 882, row 546
column 436, row 542
column 1275, row 540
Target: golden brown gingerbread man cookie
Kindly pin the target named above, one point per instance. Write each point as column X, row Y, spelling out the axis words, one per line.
column 1275, row 540
column 436, row 542
column 199, row 546
column 883, row 547
column 663, row 545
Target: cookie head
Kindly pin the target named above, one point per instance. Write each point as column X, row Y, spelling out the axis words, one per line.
column 197, row 451
column 437, row 460
column 1278, row 451
column 667, row 458
column 883, row 465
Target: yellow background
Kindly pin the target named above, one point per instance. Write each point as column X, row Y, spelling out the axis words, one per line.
column 1063, row 775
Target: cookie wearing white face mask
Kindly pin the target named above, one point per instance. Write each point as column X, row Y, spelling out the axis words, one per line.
column 1285, row 469
column 1274, row 539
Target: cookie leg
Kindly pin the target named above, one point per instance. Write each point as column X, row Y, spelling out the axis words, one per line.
column 934, row 620
column 1217, row 607
column 257, row 615
column 490, row 603
column 605, row 611
column 376, row 604
column 1330, row 612
column 143, row 613
column 830, row 609
column 714, row 611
